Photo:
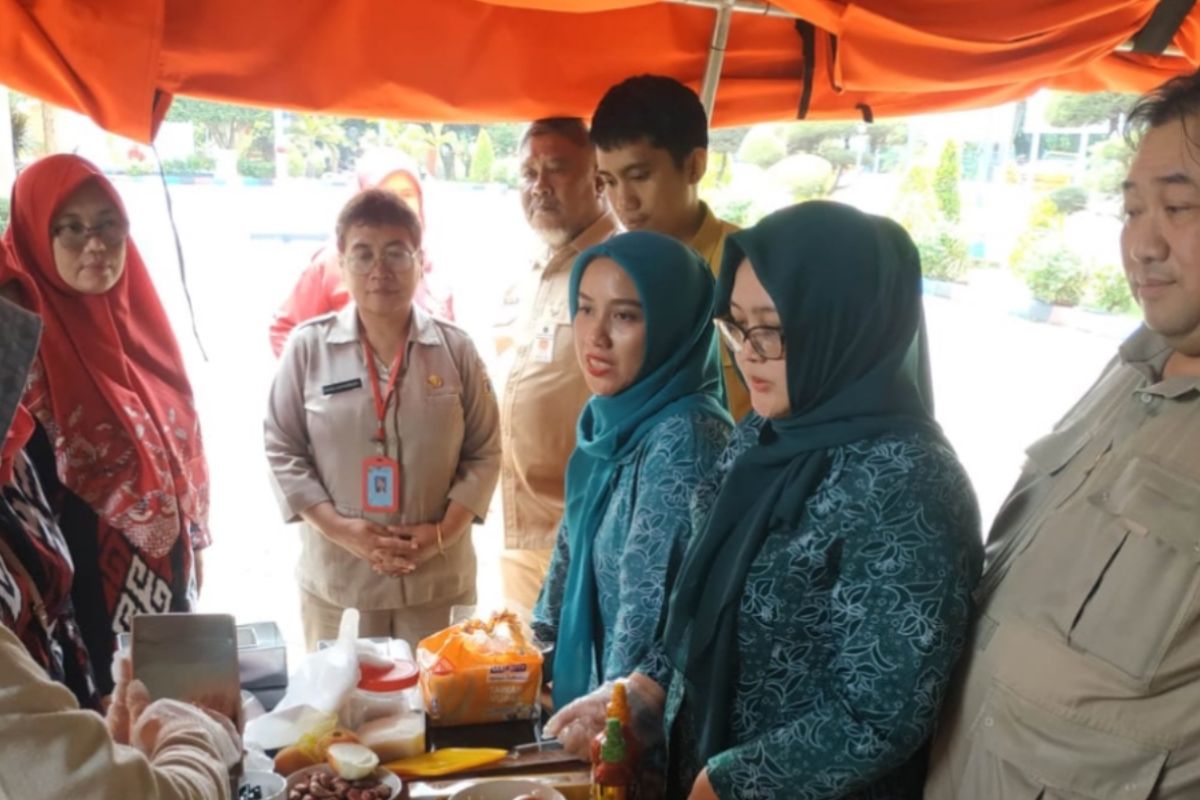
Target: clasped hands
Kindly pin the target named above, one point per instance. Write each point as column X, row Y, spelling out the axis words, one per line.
column 390, row 549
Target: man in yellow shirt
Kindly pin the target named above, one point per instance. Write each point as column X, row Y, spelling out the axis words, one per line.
column 651, row 137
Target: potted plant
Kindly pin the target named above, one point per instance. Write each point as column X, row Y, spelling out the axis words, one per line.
column 944, row 260
column 1054, row 275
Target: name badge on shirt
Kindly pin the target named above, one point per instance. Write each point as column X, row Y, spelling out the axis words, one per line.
column 380, row 485
column 341, row 386
column 543, row 345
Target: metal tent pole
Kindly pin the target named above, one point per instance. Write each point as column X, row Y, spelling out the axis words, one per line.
column 720, row 38
column 716, row 58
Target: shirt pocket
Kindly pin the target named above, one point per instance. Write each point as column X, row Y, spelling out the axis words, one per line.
column 1051, row 455
column 1020, row 751
column 331, row 419
column 1143, row 590
column 442, row 419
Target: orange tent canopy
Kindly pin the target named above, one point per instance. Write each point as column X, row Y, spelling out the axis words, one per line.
column 120, row 61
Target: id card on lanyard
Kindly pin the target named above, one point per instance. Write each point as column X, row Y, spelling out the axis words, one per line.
column 382, row 479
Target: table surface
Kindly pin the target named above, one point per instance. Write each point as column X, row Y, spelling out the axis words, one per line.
column 568, row 775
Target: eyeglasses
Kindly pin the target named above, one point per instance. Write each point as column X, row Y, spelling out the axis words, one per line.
column 75, row 235
column 766, row 340
column 394, row 259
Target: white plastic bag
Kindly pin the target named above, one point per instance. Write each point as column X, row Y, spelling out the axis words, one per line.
column 315, row 691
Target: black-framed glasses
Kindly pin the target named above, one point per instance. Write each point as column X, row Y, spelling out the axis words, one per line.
column 766, row 340
column 74, row 235
column 393, row 259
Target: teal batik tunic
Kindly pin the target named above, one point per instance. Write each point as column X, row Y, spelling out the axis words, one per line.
column 651, row 514
column 849, row 628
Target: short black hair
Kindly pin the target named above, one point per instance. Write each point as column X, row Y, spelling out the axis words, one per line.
column 653, row 107
column 1177, row 99
column 573, row 129
column 377, row 207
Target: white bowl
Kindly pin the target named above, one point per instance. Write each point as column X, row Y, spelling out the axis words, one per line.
column 382, row 775
column 507, row 789
column 273, row 786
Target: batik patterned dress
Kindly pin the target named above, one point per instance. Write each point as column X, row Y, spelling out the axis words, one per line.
column 35, row 592
column 651, row 515
column 848, row 631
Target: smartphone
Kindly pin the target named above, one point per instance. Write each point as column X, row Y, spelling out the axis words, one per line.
column 189, row 657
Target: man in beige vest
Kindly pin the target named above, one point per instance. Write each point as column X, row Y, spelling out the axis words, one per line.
column 545, row 392
column 1083, row 676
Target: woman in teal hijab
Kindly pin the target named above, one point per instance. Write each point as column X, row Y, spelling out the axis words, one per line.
column 641, row 306
column 816, row 620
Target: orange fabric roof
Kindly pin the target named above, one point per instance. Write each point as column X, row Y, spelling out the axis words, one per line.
column 475, row 60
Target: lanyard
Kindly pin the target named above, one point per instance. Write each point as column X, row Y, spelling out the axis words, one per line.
column 382, row 400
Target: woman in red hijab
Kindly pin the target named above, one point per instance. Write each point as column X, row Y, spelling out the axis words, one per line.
column 117, row 445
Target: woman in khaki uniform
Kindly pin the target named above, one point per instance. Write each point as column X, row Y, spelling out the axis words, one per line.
column 383, row 439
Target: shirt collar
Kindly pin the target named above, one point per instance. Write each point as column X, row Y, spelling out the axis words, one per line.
column 1147, row 352
column 603, row 228
column 709, row 234
column 422, row 328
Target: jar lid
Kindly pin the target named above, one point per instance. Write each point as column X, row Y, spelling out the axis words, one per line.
column 401, row 674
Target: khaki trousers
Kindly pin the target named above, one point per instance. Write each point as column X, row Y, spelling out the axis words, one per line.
column 522, row 573
column 321, row 619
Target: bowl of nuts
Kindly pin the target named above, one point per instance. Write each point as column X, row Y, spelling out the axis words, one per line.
column 320, row 782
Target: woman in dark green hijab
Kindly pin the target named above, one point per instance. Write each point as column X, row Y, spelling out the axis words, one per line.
column 642, row 307
column 816, row 620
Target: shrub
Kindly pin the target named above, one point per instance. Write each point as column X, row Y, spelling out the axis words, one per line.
column 945, row 182
column 916, row 206
column 944, row 255
column 1044, row 220
column 1054, row 273
column 762, row 147
column 1108, row 290
column 1069, row 199
column 733, row 209
column 802, row 176
column 483, row 158
column 195, row 164
column 255, row 168
column 505, row 171
column 1108, row 164
column 3, row 213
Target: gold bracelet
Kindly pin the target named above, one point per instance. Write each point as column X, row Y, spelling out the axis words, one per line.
column 441, row 549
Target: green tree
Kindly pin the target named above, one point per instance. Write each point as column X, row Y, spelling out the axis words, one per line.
column 506, row 138
column 226, row 126
column 945, row 182
column 808, row 137
column 916, row 206
column 1108, row 164
column 482, row 158
column 1074, row 110
column 724, row 143
column 20, row 127
column 317, row 139
column 762, row 147
column 804, row 176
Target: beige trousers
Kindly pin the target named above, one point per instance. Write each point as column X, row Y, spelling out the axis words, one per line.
column 522, row 573
column 321, row 619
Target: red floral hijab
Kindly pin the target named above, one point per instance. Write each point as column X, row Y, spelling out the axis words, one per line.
column 108, row 384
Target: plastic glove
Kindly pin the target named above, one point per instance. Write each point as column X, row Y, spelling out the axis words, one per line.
column 166, row 723
column 117, row 717
column 578, row 722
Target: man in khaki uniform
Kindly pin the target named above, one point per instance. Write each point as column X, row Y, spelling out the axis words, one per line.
column 1083, row 677
column 545, row 392
column 651, row 137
